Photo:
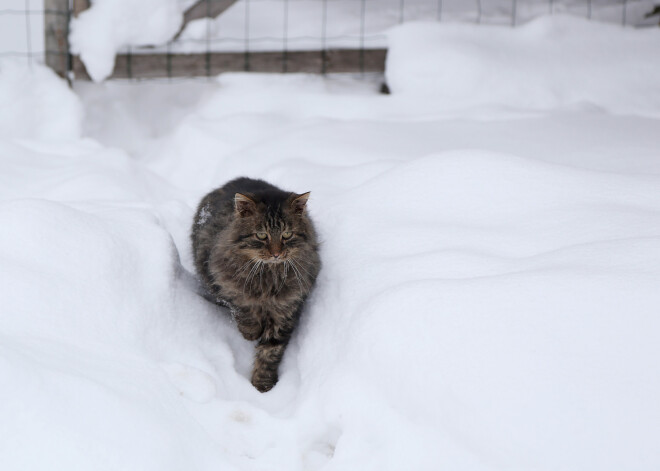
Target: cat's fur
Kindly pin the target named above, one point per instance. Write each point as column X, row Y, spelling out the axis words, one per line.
column 263, row 282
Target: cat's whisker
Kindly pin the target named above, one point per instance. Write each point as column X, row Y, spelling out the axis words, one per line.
column 258, row 270
column 298, row 268
column 248, row 279
column 245, row 282
column 285, row 269
column 244, row 267
column 261, row 272
column 300, row 265
column 298, row 277
column 251, row 274
column 247, row 266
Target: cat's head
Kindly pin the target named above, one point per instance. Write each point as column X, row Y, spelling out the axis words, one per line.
column 272, row 230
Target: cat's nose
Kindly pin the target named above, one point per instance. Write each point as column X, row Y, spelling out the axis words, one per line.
column 276, row 254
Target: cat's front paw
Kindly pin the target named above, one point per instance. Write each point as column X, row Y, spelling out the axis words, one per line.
column 264, row 380
column 250, row 331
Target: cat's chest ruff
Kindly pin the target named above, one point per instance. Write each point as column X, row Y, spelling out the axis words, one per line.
column 267, row 282
column 284, row 298
column 270, row 310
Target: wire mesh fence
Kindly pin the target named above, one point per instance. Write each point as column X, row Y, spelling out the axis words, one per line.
column 319, row 36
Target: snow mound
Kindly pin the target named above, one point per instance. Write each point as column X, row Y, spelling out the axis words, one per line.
column 88, row 300
column 36, row 103
column 90, row 264
column 480, row 281
column 108, row 25
column 551, row 62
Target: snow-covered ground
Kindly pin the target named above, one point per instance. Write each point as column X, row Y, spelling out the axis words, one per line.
column 489, row 297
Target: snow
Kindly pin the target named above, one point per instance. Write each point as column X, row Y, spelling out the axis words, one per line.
column 34, row 103
column 548, row 63
column 488, row 298
column 107, row 26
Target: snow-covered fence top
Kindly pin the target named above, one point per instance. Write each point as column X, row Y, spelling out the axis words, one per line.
column 172, row 38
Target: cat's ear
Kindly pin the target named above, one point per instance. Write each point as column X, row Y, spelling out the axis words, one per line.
column 244, row 206
column 298, row 203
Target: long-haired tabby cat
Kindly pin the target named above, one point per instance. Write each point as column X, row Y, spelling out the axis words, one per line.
column 256, row 252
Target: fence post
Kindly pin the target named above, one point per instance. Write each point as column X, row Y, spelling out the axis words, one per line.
column 56, row 35
column 79, row 6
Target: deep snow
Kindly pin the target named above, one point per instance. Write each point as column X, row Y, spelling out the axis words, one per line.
column 463, row 65
column 488, row 299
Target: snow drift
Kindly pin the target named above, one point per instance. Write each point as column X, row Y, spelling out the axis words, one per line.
column 107, row 26
column 549, row 62
column 35, row 103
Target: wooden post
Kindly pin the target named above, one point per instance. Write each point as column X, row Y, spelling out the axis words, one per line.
column 79, row 6
column 57, row 15
column 203, row 9
column 56, row 25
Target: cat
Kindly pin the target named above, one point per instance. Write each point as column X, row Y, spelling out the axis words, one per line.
column 256, row 252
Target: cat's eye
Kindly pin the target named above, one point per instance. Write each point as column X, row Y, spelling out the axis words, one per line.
column 287, row 234
column 262, row 235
